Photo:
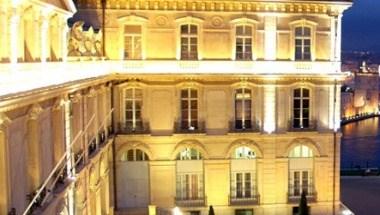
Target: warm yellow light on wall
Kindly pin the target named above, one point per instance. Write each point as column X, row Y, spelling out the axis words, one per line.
column 270, row 105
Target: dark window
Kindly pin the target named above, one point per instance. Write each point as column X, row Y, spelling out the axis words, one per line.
column 302, row 43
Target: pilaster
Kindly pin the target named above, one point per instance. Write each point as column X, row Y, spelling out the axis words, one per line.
column 13, row 35
column 5, row 199
column 34, row 148
column 270, row 35
column 44, row 37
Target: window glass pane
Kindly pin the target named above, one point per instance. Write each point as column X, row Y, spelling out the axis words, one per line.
column 239, row 30
column 193, row 29
column 194, row 93
column 248, row 30
column 307, row 31
column 184, row 93
column 297, row 93
column 184, row 29
column 297, row 103
column 306, row 42
column 298, row 31
column 298, row 42
column 305, row 92
column 130, row 155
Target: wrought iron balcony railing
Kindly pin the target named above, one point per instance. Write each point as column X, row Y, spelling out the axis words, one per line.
column 235, row 127
column 312, row 126
column 180, row 129
column 190, row 202
column 294, row 193
column 140, row 128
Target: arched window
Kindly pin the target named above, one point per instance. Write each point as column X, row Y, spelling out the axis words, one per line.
column 189, row 42
column 301, row 151
column 135, row 155
column 243, row 108
column 243, row 42
column 132, row 42
column 301, row 108
column 133, row 106
column 244, row 153
column 189, row 109
column 302, row 43
column 189, row 154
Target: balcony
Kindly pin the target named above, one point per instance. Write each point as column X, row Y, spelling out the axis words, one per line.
column 251, row 127
column 313, row 126
column 294, row 197
column 246, row 200
column 140, row 128
column 180, row 129
column 190, row 202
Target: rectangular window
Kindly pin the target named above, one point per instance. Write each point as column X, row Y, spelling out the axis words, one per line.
column 302, row 43
column 132, row 42
column 244, row 212
column 243, row 42
column 189, row 109
column 301, row 108
column 189, row 186
column 242, row 185
column 300, row 181
column 243, row 108
column 189, row 42
column 133, row 106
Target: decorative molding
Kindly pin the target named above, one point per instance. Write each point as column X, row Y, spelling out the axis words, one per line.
column 161, row 20
column 34, row 112
column 84, row 43
column 217, row 22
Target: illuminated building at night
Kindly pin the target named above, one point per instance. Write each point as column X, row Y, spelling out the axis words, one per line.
column 234, row 104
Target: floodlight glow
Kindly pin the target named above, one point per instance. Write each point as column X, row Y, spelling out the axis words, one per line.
column 176, row 211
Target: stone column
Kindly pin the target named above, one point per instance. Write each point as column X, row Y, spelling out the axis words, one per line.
column 63, row 35
column 269, row 108
column 4, row 163
column 332, row 37
column 270, row 35
column 44, row 38
column 13, row 35
column 34, row 148
column 338, row 38
column 58, row 123
column 4, row 35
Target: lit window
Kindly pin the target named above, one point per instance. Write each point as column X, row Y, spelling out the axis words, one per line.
column 189, row 109
column 133, row 105
column 189, row 42
column 243, row 108
column 135, row 155
column 189, row 154
column 301, row 108
column 243, row 42
column 302, row 43
column 244, row 153
column 242, row 185
column 189, row 186
column 301, row 151
column 132, row 42
column 300, row 181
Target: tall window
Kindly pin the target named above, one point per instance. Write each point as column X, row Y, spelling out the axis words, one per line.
column 301, row 108
column 135, row 155
column 132, row 42
column 189, row 186
column 189, row 42
column 243, row 108
column 189, row 109
column 301, row 170
column 243, row 42
column 303, row 43
column 133, row 105
column 242, row 184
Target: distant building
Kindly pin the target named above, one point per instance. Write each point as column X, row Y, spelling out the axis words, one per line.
column 361, row 93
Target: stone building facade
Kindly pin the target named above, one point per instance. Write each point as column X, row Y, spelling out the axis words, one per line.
column 234, row 104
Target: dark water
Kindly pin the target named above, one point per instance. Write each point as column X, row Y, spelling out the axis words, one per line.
column 361, row 144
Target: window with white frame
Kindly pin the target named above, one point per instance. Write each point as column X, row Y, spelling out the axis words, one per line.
column 301, row 108
column 302, row 44
column 189, row 42
column 244, row 152
column 189, row 109
column 189, row 186
column 189, row 154
column 135, row 155
column 242, row 184
column 243, row 110
column 301, row 170
column 133, row 106
column 132, row 42
column 243, row 42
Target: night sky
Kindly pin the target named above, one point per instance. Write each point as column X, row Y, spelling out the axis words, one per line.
column 361, row 26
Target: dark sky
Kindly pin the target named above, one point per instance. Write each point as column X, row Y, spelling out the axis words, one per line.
column 361, row 26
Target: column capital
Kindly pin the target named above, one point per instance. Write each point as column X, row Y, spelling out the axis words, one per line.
column 59, row 103
column 34, row 112
column 4, row 122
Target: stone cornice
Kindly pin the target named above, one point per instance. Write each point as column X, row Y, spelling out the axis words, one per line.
column 282, row 6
